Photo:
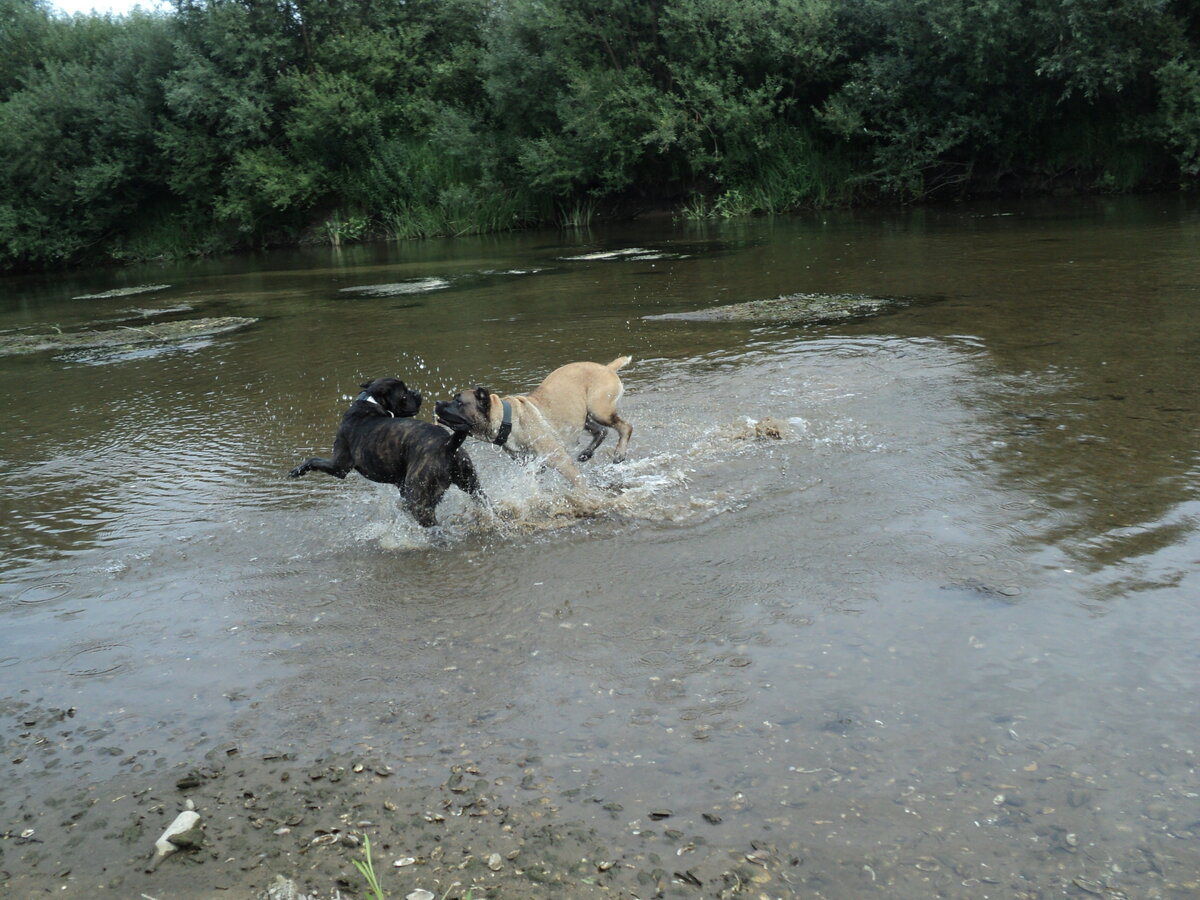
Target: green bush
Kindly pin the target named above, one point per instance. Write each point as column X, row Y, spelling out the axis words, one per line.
column 227, row 123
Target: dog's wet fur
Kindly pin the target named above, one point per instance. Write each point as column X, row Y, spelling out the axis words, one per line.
column 380, row 440
column 579, row 396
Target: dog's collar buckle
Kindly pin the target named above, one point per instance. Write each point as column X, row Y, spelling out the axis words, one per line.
column 365, row 396
column 505, row 425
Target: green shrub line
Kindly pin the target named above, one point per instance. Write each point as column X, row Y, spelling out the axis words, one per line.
column 219, row 125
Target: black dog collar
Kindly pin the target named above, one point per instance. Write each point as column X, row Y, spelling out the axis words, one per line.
column 365, row 396
column 505, row 425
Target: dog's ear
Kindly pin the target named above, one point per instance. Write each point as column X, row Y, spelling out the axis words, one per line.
column 366, row 384
column 483, row 396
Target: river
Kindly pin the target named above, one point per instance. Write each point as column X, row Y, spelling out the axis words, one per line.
column 932, row 632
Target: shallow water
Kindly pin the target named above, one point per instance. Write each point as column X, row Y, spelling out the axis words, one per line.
column 936, row 632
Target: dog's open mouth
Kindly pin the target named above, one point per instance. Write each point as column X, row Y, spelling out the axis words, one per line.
column 447, row 415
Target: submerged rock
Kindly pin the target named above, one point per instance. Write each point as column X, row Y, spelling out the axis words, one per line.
column 16, row 343
column 123, row 292
column 412, row 286
column 793, row 309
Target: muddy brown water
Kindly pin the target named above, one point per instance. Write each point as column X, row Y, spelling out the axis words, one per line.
column 934, row 632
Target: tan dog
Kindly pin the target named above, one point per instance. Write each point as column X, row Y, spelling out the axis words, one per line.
column 578, row 396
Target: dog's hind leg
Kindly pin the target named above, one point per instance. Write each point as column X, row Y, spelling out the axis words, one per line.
column 598, row 433
column 624, row 432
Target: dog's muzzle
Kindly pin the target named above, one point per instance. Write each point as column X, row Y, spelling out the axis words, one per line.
column 449, row 413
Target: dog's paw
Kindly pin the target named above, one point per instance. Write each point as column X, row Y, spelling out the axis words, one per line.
column 297, row 472
column 583, row 457
column 619, row 457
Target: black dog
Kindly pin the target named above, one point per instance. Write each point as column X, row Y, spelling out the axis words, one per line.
column 379, row 440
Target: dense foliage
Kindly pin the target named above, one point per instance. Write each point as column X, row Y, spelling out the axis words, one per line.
column 230, row 123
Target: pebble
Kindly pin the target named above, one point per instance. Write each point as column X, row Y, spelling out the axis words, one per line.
column 1159, row 812
column 419, row 894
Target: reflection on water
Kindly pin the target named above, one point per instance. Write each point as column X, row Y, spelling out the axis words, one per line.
column 918, row 589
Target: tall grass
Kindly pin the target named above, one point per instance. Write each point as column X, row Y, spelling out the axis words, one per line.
column 413, row 190
column 457, row 211
column 159, row 232
column 785, row 171
column 1097, row 151
column 578, row 214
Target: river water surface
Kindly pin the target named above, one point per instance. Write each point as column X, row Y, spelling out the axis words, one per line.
column 931, row 629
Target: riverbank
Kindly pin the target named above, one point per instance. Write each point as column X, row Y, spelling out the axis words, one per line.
column 504, row 829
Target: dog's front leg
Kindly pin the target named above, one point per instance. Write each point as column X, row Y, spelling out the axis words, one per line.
column 464, row 477
column 557, row 457
column 317, row 464
column 423, row 514
column 421, row 500
column 337, row 467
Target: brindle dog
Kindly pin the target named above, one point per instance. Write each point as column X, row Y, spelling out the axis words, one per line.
column 379, row 440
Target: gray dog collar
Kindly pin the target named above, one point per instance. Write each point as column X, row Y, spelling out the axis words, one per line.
column 505, row 424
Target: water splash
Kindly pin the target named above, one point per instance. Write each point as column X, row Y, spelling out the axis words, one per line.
column 526, row 499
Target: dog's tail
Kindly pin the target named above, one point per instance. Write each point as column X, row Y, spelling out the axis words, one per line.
column 618, row 362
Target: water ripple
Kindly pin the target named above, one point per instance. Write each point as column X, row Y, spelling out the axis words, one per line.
column 97, row 660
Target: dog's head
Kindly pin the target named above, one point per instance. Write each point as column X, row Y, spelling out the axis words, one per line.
column 393, row 396
column 467, row 411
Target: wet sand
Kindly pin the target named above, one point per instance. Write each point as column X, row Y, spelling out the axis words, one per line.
column 502, row 830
